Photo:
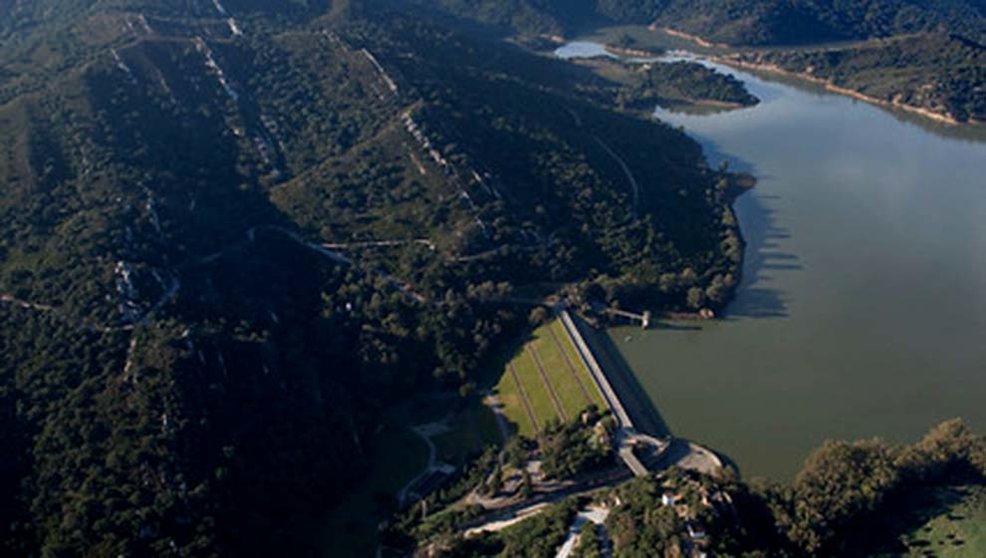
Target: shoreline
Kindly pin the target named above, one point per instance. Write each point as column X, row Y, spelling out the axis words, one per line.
column 730, row 60
column 687, row 36
column 739, row 184
column 670, row 104
column 709, row 103
column 830, row 86
column 639, row 53
column 599, row 63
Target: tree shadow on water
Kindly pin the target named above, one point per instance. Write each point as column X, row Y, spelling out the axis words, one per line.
column 755, row 296
column 672, row 326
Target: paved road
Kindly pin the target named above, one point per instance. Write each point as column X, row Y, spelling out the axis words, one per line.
column 611, row 477
column 626, row 435
column 612, row 399
column 379, row 243
column 596, row 516
column 425, row 432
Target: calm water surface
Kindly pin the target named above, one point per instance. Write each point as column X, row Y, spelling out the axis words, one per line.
column 863, row 307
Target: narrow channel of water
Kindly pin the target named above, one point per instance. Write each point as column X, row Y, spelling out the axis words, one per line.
column 863, row 307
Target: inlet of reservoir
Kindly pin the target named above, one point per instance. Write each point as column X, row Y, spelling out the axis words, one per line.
column 863, row 306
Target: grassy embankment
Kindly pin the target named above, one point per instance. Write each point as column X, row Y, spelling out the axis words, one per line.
column 548, row 355
column 958, row 530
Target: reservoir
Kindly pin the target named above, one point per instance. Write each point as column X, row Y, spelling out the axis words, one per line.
column 862, row 311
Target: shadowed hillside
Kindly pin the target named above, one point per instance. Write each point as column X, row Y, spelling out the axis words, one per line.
column 236, row 232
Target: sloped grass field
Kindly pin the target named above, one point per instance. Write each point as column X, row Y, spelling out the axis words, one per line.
column 957, row 532
column 546, row 381
column 513, row 401
column 925, row 522
column 558, row 337
column 535, row 388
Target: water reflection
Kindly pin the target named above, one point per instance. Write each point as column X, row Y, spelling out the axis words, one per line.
column 765, row 84
column 861, row 311
column 583, row 49
column 759, row 296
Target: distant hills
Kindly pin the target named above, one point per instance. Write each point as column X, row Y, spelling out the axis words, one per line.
column 761, row 22
column 921, row 56
column 943, row 76
column 737, row 22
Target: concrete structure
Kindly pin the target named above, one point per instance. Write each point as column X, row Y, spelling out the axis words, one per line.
column 664, row 451
column 627, row 436
column 644, row 318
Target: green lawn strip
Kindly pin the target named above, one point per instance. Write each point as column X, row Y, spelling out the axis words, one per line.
column 508, row 391
column 572, row 366
column 573, row 400
column 532, row 350
column 560, row 375
column 537, row 392
column 958, row 532
column 573, row 355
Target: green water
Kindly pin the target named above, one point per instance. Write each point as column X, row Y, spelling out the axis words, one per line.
column 863, row 307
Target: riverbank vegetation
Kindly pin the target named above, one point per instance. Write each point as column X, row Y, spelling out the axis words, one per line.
column 838, row 504
column 802, row 22
column 949, row 520
column 925, row 57
column 681, row 82
column 843, row 488
column 941, row 75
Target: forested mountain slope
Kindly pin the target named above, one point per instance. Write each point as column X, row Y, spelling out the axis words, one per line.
column 234, row 232
column 761, row 22
column 736, row 22
column 921, row 56
column 943, row 75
